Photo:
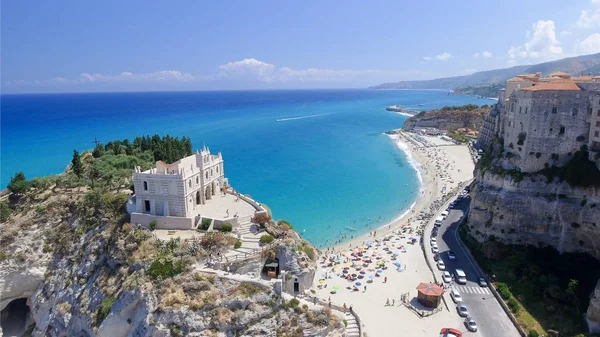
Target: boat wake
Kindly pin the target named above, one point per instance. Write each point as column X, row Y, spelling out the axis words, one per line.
column 301, row 117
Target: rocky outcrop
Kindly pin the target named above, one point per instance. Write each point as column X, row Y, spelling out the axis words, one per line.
column 449, row 118
column 532, row 211
column 593, row 312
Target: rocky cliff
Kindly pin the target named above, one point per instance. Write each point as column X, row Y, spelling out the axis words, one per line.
column 83, row 270
column 449, row 118
column 537, row 209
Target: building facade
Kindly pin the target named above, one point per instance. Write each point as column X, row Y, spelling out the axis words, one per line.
column 544, row 122
column 177, row 189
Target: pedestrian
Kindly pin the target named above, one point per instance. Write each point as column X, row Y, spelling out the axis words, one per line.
column 393, row 302
column 329, row 304
column 387, row 302
column 227, row 269
column 350, row 307
column 385, row 279
column 329, row 299
column 365, row 288
column 315, row 300
column 345, row 307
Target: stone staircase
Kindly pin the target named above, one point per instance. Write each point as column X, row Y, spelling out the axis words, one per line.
column 352, row 329
column 250, row 241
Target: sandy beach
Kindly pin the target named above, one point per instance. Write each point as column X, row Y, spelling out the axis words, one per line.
column 442, row 166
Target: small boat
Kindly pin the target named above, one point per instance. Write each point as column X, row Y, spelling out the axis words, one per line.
column 421, row 104
column 350, row 228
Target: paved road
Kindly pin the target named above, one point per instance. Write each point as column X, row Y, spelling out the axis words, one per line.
column 483, row 307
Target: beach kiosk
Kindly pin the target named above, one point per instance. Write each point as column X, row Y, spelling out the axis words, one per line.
column 429, row 294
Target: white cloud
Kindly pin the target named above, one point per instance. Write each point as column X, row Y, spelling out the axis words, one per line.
column 158, row 76
column 476, row 55
column 248, row 69
column 427, row 58
column 541, row 45
column 486, row 54
column 589, row 19
column 590, row 44
column 443, row 56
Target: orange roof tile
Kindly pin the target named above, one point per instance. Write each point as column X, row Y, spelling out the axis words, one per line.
column 554, row 86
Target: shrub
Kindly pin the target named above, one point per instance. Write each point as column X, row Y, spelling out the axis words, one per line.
column 226, row 227
column 237, row 244
column 104, row 308
column 293, row 302
column 164, row 267
column 503, row 290
column 533, row 333
column 205, row 224
column 261, row 219
column 538, row 154
column 5, row 211
column 513, row 305
column 152, row 225
column 266, row 239
column 18, row 184
column 309, row 251
column 522, row 136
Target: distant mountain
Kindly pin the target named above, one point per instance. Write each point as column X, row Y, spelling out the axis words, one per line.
column 482, row 83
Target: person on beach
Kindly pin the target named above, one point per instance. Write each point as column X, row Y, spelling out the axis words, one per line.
column 385, row 279
column 365, row 288
column 393, row 302
column 345, row 307
column 387, row 302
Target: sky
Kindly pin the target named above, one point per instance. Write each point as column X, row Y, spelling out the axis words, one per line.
column 89, row 46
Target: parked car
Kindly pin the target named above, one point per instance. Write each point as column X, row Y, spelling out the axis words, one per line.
column 455, row 296
column 449, row 332
column 441, row 265
column 447, row 277
column 433, row 241
column 470, row 324
column 445, row 214
column 435, row 249
column 452, row 205
column 436, row 256
column 462, row 310
column 451, row 255
column 482, row 282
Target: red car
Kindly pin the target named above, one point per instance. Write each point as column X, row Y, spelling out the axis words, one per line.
column 449, row 332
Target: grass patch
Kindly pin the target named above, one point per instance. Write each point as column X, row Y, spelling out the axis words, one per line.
column 544, row 289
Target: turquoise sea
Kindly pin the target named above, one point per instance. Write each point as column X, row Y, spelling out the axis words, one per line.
column 317, row 158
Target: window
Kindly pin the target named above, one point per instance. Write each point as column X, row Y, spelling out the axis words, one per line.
column 562, row 130
column 145, row 185
column 554, row 109
column 520, row 109
column 147, row 205
column 190, row 182
column 206, row 174
column 597, row 134
column 197, row 179
column 512, row 107
column 598, row 123
column 574, row 111
column 526, row 108
column 598, row 113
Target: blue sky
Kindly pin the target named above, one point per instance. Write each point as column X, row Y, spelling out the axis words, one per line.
column 71, row 46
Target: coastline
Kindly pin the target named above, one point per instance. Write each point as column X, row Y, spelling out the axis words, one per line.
column 433, row 166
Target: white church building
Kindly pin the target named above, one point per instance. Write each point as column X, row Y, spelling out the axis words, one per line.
column 172, row 194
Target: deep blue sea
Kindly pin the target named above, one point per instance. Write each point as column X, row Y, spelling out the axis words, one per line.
column 317, row 158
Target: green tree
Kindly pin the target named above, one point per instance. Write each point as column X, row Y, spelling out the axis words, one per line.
column 76, row 163
column 18, row 184
column 98, row 151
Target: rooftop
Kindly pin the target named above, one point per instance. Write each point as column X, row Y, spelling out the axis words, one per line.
column 554, row 86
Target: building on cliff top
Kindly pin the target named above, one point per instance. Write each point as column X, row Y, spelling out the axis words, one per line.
column 545, row 120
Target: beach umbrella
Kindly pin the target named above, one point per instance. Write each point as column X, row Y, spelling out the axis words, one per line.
column 396, row 254
column 371, row 276
column 398, row 264
column 321, row 281
column 379, row 271
column 358, row 284
column 335, row 287
column 324, row 275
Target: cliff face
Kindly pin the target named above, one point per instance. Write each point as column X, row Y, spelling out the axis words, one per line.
column 531, row 209
column 448, row 119
column 534, row 212
column 85, row 272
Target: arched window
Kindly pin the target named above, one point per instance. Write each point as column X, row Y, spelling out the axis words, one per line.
column 197, row 179
column 190, row 183
column 217, row 169
column 206, row 174
column 145, row 185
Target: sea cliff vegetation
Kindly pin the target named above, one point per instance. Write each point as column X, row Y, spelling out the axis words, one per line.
column 450, row 118
column 99, row 274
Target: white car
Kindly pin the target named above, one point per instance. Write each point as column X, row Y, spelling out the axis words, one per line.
column 445, row 214
column 455, row 296
column 447, row 277
column 435, row 249
column 433, row 241
column 462, row 310
column 441, row 265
